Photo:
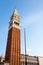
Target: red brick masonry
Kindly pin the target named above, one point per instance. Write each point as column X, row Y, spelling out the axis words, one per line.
column 13, row 47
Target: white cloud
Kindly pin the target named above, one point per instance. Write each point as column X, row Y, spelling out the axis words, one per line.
column 28, row 50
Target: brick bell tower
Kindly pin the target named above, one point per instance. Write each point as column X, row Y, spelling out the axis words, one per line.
column 12, row 55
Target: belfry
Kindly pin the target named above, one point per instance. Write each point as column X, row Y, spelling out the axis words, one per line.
column 12, row 55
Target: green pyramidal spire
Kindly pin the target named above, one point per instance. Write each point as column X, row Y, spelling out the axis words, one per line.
column 15, row 12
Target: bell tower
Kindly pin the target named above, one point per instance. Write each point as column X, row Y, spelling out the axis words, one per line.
column 12, row 55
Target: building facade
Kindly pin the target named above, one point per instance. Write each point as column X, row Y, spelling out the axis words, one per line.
column 31, row 60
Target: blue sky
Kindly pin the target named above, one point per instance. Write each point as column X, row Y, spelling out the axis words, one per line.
column 31, row 14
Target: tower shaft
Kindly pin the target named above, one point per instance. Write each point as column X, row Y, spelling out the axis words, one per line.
column 13, row 44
